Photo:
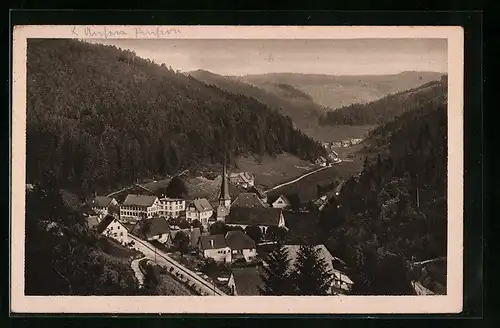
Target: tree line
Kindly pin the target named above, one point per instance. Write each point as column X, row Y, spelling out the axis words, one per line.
column 99, row 120
column 386, row 109
column 395, row 212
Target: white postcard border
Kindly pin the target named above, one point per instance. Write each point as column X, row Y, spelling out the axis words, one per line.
column 450, row 303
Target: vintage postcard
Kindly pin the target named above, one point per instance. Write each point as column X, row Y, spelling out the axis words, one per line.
column 249, row 169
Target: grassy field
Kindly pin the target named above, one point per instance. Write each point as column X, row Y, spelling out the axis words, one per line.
column 273, row 171
column 306, row 188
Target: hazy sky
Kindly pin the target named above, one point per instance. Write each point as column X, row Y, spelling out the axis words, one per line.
column 338, row 57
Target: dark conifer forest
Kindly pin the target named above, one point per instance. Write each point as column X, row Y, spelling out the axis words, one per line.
column 100, row 117
column 396, row 210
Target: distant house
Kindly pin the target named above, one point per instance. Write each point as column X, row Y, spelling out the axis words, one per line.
column 355, row 141
column 136, row 207
column 199, row 209
column 248, row 199
column 171, row 207
column 340, row 284
column 346, row 143
column 321, row 161
column 102, row 204
column 325, row 145
column 261, row 217
column 279, row 201
column 214, row 246
column 241, row 245
column 193, row 234
column 158, row 229
column 337, row 144
column 245, row 281
column 112, row 228
column 242, row 179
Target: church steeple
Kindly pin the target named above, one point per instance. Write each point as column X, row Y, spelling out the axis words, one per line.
column 224, row 197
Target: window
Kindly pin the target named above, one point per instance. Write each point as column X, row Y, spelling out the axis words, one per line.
column 121, row 234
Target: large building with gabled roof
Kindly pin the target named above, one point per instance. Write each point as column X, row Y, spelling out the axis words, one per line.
column 137, row 207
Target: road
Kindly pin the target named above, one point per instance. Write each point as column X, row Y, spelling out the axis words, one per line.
column 161, row 258
column 137, row 271
column 300, row 178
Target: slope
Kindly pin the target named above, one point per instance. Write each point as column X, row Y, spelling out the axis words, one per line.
column 283, row 97
column 389, row 107
column 100, row 117
column 395, row 212
column 338, row 91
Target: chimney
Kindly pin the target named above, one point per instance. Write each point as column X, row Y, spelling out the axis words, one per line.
column 212, row 243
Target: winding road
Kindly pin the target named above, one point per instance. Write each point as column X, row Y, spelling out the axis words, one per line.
column 301, row 177
column 183, row 273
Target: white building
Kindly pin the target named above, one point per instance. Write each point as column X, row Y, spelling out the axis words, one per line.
column 215, row 247
column 200, row 209
column 137, row 207
column 171, row 207
column 112, row 228
column 242, row 179
column 279, row 202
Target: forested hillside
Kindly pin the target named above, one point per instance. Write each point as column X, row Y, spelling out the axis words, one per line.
column 396, row 210
column 100, row 117
column 282, row 97
column 386, row 109
column 335, row 91
column 63, row 256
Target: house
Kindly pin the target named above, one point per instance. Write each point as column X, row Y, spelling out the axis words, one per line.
column 279, row 201
column 214, row 246
column 137, row 207
column 320, row 161
column 248, row 199
column 241, row 245
column 355, row 141
column 337, row 144
column 102, row 204
column 341, row 284
column 242, row 179
column 261, row 217
column 92, row 217
column 112, row 228
column 193, row 234
column 199, row 209
column 245, row 281
column 171, row 207
column 346, row 143
column 325, row 145
column 158, row 229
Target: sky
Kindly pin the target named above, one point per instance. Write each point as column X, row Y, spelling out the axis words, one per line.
column 335, row 57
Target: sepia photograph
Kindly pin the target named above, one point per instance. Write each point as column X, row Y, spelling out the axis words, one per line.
column 155, row 162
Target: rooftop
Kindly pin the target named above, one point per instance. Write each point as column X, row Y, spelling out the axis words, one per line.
column 238, row 240
column 254, row 216
column 101, row 201
column 212, row 241
column 156, row 226
column 247, row 281
column 202, row 205
column 248, row 199
column 139, row 200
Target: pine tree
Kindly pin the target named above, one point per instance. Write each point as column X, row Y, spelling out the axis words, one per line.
column 310, row 274
column 276, row 276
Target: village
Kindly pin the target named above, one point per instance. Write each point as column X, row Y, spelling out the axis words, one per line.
column 218, row 246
